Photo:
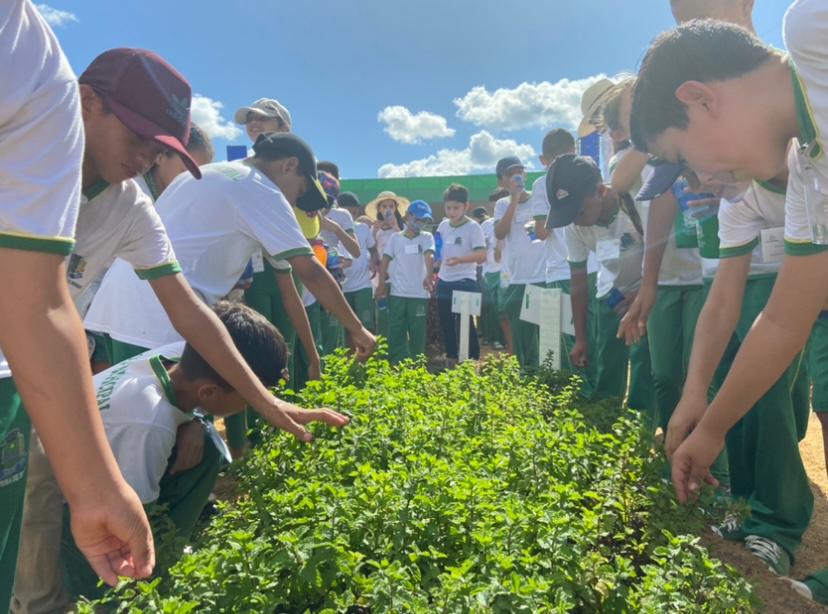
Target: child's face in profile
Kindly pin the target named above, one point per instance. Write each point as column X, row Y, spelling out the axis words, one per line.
column 455, row 210
column 218, row 401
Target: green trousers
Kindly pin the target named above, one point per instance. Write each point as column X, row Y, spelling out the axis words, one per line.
column 818, row 364
column 315, row 318
column 183, row 495
column 525, row 336
column 362, row 302
column 670, row 331
column 613, row 361
column 407, row 327
column 14, row 454
column 111, row 350
column 568, row 341
column 762, row 448
column 490, row 328
column 332, row 333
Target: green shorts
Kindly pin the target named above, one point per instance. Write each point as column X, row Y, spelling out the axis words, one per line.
column 106, row 349
column 14, row 455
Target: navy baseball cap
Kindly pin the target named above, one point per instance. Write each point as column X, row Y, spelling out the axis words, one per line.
column 420, row 209
column 348, row 199
column 569, row 180
column 662, row 178
column 506, row 164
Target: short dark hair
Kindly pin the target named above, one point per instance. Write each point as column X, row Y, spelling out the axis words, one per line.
column 497, row 195
column 257, row 340
column 456, row 192
column 557, row 142
column 702, row 50
column 199, row 141
column 480, row 213
column 328, row 167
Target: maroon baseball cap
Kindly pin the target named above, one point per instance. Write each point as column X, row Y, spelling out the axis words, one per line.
column 148, row 95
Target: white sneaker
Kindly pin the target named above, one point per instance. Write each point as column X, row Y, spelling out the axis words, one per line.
column 730, row 528
column 799, row 587
column 767, row 550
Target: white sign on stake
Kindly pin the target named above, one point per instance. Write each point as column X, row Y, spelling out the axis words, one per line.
column 467, row 304
column 542, row 307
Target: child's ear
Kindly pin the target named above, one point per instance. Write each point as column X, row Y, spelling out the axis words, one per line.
column 695, row 94
column 90, row 103
column 207, row 393
column 290, row 165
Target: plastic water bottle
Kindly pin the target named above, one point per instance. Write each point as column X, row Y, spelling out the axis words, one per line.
column 614, row 298
column 692, row 215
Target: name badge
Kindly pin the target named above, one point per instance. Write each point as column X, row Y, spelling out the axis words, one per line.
column 412, row 249
column 258, row 261
column 773, row 244
column 609, row 249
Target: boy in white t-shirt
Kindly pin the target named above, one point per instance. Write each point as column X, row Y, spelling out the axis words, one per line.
column 774, row 128
column 599, row 220
column 145, row 399
column 41, row 156
column 359, row 292
column 524, row 256
column 463, row 249
column 412, row 254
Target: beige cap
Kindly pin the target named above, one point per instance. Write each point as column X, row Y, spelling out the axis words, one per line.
column 266, row 107
column 591, row 103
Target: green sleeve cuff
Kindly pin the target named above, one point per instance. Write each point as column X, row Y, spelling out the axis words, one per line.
column 477, row 249
column 350, row 231
column 389, row 256
column 33, row 243
column 429, row 251
column 538, row 218
column 162, row 270
column 805, row 248
column 581, row 264
column 292, row 253
column 739, row 250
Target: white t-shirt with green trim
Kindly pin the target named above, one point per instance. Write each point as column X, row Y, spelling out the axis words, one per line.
column 523, row 258
column 805, row 32
column 619, row 250
column 555, row 257
column 491, row 265
column 459, row 241
column 215, row 224
column 358, row 275
column 41, row 138
column 679, row 266
column 140, row 417
column 117, row 221
column 346, row 221
column 744, row 227
column 408, row 257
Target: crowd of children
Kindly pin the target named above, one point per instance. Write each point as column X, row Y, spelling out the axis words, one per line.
column 695, row 272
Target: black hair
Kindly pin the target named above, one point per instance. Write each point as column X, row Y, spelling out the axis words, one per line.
column 257, row 340
column 611, row 112
column 497, row 195
column 199, row 141
column 397, row 216
column 479, row 213
column 328, row 167
column 456, row 192
column 557, row 142
column 702, row 50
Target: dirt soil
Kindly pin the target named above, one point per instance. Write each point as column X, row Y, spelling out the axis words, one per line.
column 776, row 596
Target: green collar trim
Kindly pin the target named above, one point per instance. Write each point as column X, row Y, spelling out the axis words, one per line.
column 770, row 187
column 157, row 364
column 465, row 220
column 808, row 134
column 95, row 189
column 405, row 234
column 152, row 185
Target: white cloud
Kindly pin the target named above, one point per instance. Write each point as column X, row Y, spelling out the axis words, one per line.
column 529, row 105
column 56, row 17
column 406, row 127
column 481, row 155
column 206, row 112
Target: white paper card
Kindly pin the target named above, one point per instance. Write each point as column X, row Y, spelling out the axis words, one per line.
column 412, row 249
column 773, row 244
column 258, row 261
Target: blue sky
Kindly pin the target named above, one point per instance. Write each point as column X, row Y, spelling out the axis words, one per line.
column 458, row 83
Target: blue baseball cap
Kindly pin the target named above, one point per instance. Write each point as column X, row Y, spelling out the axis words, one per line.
column 662, row 178
column 420, row 209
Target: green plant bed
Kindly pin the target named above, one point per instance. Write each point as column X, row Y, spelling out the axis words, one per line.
column 457, row 492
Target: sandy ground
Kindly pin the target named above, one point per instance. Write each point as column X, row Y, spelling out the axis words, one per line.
column 813, row 555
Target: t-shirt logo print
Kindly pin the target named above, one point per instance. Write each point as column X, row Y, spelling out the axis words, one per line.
column 77, row 266
column 179, row 109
